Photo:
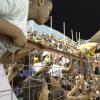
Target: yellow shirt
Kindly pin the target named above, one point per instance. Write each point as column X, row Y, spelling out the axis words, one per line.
column 36, row 60
column 87, row 46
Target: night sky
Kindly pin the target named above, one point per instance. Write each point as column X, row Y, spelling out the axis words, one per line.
column 80, row 15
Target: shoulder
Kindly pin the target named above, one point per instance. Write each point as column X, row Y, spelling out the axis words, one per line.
column 12, row 6
column 13, row 9
column 16, row 13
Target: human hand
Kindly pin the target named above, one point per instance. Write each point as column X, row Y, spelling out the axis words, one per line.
column 20, row 41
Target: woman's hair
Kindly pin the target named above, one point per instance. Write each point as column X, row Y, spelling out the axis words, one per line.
column 33, row 89
column 58, row 94
column 97, row 72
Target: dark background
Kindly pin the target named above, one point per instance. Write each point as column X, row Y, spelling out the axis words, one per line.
column 80, row 15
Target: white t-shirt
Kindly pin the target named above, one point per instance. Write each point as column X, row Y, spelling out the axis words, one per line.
column 64, row 61
column 56, row 70
column 15, row 12
column 37, row 67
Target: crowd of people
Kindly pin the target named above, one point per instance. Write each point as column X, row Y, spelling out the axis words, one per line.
column 49, row 76
column 31, row 73
column 49, row 40
column 46, row 75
